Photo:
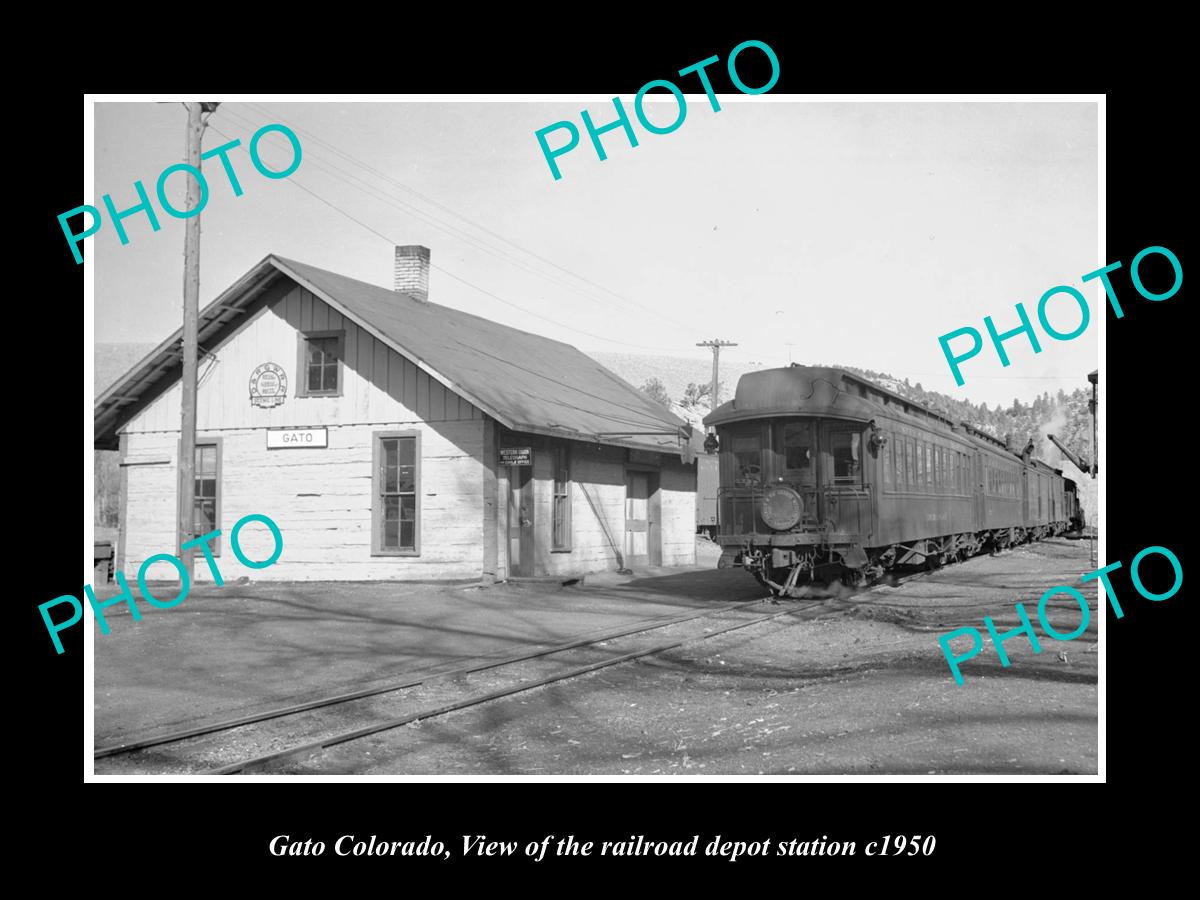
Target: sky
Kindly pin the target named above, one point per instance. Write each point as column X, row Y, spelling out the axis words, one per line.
column 833, row 233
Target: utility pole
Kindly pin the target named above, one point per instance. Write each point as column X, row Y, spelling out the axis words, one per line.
column 191, row 316
column 1094, row 378
column 716, row 345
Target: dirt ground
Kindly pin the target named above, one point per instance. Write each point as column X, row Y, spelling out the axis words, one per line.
column 856, row 685
column 245, row 648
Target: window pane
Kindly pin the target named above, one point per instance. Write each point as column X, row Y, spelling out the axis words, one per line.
column 844, row 447
column 560, row 522
column 206, row 516
column 206, row 488
column 314, row 378
column 747, row 463
column 408, row 450
column 391, row 535
column 390, row 472
column 408, row 508
column 407, row 530
column 206, row 459
column 391, row 508
column 407, row 479
column 797, row 451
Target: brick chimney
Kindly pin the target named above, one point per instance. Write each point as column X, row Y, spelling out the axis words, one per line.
column 412, row 271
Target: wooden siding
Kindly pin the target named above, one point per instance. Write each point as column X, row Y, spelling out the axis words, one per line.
column 601, row 472
column 379, row 386
column 321, row 500
column 319, row 497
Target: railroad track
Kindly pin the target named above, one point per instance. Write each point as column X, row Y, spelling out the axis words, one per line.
column 197, row 756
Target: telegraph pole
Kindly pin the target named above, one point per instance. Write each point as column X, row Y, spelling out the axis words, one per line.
column 1094, row 378
column 191, row 317
column 716, row 345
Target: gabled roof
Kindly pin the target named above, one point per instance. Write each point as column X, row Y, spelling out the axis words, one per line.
column 524, row 381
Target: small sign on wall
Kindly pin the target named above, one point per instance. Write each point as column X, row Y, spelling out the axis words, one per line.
column 268, row 386
column 516, row 456
column 294, row 438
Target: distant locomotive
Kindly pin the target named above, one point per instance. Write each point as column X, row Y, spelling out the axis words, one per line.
column 825, row 476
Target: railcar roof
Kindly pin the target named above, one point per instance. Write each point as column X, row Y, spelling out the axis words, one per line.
column 831, row 392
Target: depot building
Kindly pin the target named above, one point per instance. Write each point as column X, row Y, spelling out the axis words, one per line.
column 393, row 438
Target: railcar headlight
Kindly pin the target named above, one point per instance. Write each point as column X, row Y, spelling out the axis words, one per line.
column 781, row 508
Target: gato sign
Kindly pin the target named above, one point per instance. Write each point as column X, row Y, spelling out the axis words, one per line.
column 288, row 438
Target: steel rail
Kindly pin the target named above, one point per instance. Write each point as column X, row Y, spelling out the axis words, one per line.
column 488, row 663
column 359, row 733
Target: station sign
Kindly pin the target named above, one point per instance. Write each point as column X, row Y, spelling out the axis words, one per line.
column 295, row 438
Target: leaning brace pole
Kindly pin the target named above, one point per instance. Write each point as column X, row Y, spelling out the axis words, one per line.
column 191, row 317
column 716, row 345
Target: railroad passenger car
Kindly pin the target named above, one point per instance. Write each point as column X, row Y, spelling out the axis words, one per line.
column 827, row 475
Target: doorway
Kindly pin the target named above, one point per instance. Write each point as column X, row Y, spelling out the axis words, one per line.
column 643, row 519
column 520, row 521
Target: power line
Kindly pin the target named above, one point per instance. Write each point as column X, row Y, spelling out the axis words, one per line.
column 446, row 227
column 294, row 181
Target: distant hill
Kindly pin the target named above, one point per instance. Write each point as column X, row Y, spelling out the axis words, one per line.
column 1064, row 415
column 114, row 360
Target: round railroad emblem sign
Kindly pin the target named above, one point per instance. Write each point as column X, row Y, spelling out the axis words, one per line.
column 268, row 385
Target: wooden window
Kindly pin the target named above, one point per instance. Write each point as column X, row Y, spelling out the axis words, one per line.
column 888, row 466
column 396, row 502
column 206, row 505
column 319, row 367
column 560, row 538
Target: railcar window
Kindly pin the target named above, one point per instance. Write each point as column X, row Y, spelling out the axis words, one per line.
column 888, row 478
column 747, row 460
column 798, row 452
column 844, row 445
column 910, row 464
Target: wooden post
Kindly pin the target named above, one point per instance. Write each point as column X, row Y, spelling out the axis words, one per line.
column 191, row 316
column 716, row 346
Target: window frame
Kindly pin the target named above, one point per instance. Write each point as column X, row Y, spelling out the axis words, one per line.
column 377, row 439
column 217, row 442
column 302, row 339
column 858, row 479
column 561, row 458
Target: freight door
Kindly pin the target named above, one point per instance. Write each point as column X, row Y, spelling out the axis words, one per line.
column 847, row 507
column 637, row 519
column 520, row 520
